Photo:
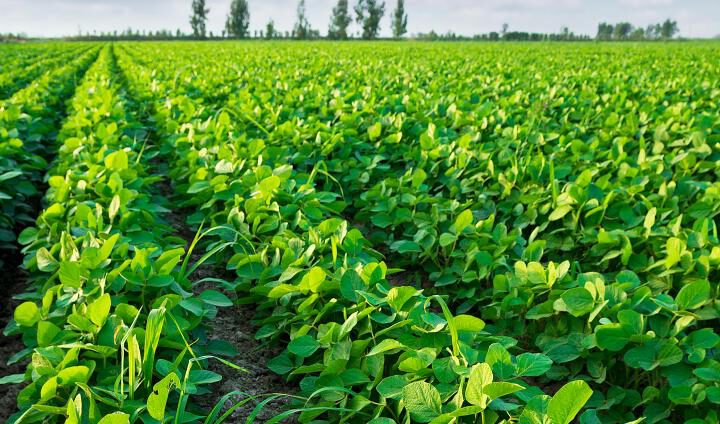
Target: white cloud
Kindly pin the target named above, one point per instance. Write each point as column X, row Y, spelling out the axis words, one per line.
column 645, row 3
column 63, row 17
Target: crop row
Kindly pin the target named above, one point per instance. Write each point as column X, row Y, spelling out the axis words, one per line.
column 109, row 313
column 23, row 55
column 615, row 184
column 28, row 123
column 19, row 76
column 429, row 241
column 358, row 345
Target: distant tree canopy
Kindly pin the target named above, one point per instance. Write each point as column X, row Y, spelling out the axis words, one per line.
column 399, row 21
column 238, row 20
column 626, row 31
column 368, row 14
column 339, row 21
column 198, row 18
column 302, row 26
column 270, row 30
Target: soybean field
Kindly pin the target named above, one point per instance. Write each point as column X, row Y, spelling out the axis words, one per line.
column 361, row 232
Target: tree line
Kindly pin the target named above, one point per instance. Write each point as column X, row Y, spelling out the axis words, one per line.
column 368, row 15
column 626, row 31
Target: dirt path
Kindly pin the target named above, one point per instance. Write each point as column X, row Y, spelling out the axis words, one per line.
column 234, row 325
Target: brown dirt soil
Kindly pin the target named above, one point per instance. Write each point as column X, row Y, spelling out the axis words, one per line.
column 12, row 280
column 234, row 325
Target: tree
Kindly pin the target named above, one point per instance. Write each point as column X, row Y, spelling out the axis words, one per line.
column 399, row 23
column 270, row 29
column 605, row 31
column 638, row 34
column 565, row 33
column 339, row 21
column 669, row 29
column 622, row 30
column 198, row 18
column 368, row 14
column 238, row 20
column 650, row 33
column 505, row 28
column 302, row 26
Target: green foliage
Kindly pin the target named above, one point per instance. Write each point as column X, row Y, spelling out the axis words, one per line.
column 340, row 21
column 528, row 238
column 108, row 307
column 399, row 20
column 238, row 19
column 198, row 17
column 368, row 14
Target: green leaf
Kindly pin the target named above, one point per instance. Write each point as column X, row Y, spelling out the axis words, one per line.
column 532, row 364
column 280, row 364
column 386, row 345
column 675, row 248
column 115, row 418
column 398, row 296
column 559, row 212
column 117, row 161
column 99, row 310
column 214, row 297
column 578, row 301
column 374, row 131
column 27, row 314
column 267, row 186
column 70, row 274
column 499, row 389
column 463, row 220
column 46, row 333
column 303, row 346
column 612, row 337
column 281, row 290
column 468, row 323
column 45, row 260
column 650, row 219
column 382, row 420
column 392, row 387
column 71, row 375
column 13, row 379
column 167, row 262
column 418, row 177
column 422, row 401
column 568, row 401
column 693, row 295
column 480, row 376
column 313, row 279
column 200, row 377
column 536, row 274
column 114, row 207
column 160, row 281
column 349, row 283
column 9, row 175
column 447, row 239
column 405, row 246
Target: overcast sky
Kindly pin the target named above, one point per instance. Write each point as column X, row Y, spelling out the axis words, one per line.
column 696, row 18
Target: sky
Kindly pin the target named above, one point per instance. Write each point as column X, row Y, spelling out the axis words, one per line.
column 696, row 18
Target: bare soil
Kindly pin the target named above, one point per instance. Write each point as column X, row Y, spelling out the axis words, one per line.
column 234, row 325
